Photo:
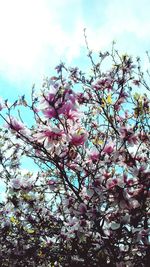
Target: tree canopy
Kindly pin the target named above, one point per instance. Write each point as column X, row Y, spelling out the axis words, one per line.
column 88, row 202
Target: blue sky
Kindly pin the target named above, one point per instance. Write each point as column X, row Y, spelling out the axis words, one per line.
column 36, row 34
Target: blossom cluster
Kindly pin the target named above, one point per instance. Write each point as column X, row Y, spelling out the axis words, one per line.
column 88, row 205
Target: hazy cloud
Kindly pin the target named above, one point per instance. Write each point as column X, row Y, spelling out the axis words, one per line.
column 36, row 34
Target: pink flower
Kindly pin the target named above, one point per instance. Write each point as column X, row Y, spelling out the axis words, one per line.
column 128, row 135
column 47, row 100
column 104, row 84
column 63, row 103
column 111, row 183
column 53, row 134
column 109, row 148
column 118, row 103
column 52, row 139
column 66, row 107
column 93, row 154
column 82, row 208
column 50, row 113
column 78, row 140
column 52, row 184
column 136, row 82
column 16, row 183
column 15, row 124
column 79, row 137
column 82, row 98
column 73, row 115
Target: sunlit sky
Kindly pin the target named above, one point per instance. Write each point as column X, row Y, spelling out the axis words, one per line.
column 35, row 35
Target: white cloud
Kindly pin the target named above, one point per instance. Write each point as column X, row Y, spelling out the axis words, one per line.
column 22, row 34
column 37, row 34
column 32, row 37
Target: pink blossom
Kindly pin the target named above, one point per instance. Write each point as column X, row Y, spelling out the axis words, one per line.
column 82, row 208
column 66, row 107
column 136, row 82
column 104, row 84
column 118, row 103
column 52, row 184
column 52, row 138
column 53, row 134
column 128, row 134
column 15, row 124
column 109, row 148
column 70, row 96
column 46, row 101
column 50, row 113
column 94, row 155
column 82, row 98
column 62, row 104
column 16, row 183
column 79, row 137
column 73, row 115
column 111, row 183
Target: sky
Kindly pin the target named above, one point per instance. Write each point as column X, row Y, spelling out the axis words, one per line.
column 35, row 35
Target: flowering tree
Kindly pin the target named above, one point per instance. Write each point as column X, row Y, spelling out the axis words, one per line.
column 88, row 205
